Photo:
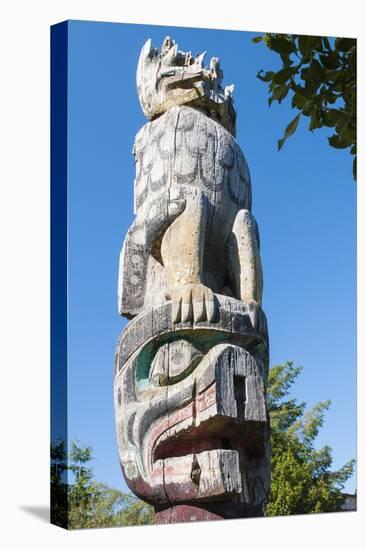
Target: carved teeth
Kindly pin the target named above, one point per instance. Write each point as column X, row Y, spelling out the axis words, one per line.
column 253, row 315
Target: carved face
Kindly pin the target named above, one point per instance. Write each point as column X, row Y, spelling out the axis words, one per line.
column 169, row 77
column 190, row 406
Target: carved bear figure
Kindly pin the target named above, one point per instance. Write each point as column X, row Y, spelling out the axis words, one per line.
column 194, row 234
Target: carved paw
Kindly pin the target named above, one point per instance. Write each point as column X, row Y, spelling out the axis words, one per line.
column 194, row 302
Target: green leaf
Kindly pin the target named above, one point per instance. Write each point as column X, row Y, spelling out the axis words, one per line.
column 336, row 142
column 283, row 75
column 271, row 86
column 286, row 60
column 348, row 134
column 354, row 168
column 281, row 45
column 291, row 128
column 298, row 101
column 266, row 77
column 345, row 44
column 330, row 97
column 304, row 92
column 316, row 119
column 257, row 39
column 280, row 92
column 331, row 74
column 316, row 70
column 305, row 73
column 332, row 116
column 342, row 123
column 330, row 60
column 317, row 44
column 308, row 107
column 305, row 44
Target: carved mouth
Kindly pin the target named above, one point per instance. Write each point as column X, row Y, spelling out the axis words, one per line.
column 186, row 464
column 217, row 433
column 181, row 447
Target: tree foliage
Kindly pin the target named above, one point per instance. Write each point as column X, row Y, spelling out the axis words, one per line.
column 302, row 480
column 80, row 502
column 320, row 75
column 58, row 484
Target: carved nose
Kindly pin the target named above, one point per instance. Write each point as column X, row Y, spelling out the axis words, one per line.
column 240, row 389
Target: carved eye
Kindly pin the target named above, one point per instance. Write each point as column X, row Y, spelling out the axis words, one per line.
column 173, row 362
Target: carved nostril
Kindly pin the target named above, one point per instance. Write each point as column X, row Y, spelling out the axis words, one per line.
column 196, row 471
column 240, row 395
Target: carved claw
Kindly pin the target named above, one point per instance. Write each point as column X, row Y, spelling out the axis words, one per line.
column 193, row 302
column 256, row 316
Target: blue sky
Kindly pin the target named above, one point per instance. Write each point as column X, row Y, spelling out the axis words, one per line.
column 304, row 199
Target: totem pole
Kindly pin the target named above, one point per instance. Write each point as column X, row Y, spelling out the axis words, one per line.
column 192, row 363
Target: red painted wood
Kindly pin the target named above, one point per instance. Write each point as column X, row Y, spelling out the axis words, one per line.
column 184, row 512
column 210, row 511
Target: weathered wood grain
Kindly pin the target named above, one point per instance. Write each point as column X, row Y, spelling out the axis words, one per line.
column 191, row 365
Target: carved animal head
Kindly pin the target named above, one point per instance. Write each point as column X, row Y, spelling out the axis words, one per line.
column 190, row 408
column 169, row 77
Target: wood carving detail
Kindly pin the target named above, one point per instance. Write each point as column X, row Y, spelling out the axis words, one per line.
column 192, row 364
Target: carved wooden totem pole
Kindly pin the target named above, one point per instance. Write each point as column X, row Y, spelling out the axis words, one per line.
column 192, row 363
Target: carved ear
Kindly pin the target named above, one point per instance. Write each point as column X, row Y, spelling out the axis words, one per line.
column 146, row 51
column 143, row 75
column 145, row 54
column 171, row 55
column 198, row 60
